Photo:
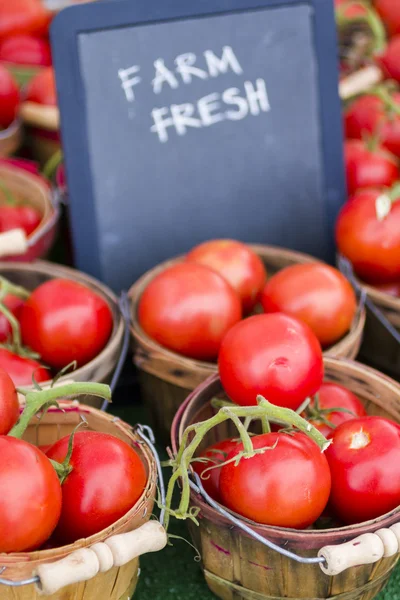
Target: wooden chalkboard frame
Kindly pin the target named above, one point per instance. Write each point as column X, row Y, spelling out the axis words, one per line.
column 99, row 16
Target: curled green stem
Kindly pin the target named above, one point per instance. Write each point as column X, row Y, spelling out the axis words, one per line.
column 36, row 400
column 51, row 165
column 6, row 287
column 370, row 18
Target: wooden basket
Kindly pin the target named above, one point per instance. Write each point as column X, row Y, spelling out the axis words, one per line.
column 166, row 378
column 239, row 567
column 101, row 368
column 42, row 125
column 117, row 583
column 11, row 138
column 29, row 189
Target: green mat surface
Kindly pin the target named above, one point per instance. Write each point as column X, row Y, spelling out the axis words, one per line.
column 174, row 574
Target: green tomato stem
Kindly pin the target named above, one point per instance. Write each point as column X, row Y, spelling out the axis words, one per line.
column 51, row 165
column 6, row 287
column 370, row 18
column 9, row 196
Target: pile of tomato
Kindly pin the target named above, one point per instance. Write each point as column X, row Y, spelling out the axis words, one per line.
column 58, row 494
column 191, row 306
column 59, row 323
column 291, row 481
column 368, row 227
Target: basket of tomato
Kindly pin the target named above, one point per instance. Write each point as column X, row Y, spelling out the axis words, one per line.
column 53, row 316
column 76, row 501
column 289, row 473
column 182, row 309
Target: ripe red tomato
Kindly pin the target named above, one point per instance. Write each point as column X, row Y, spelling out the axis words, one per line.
column 330, row 396
column 23, row 16
column 274, row 355
column 22, row 216
column 393, row 289
column 25, row 50
column 106, row 481
column 22, row 163
column 30, row 496
column 65, row 321
column 369, row 167
column 21, row 369
column 14, row 305
column 390, row 60
column 238, row 264
column 372, row 246
column 9, row 97
column 315, row 293
column 389, row 11
column 351, row 9
column 368, row 114
column 287, row 486
column 364, row 459
column 9, row 405
column 217, row 453
column 188, row 308
column 42, row 88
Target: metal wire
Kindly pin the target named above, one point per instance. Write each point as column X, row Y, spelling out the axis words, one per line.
column 35, row 237
column 124, row 308
column 10, row 583
column 150, row 441
column 198, row 488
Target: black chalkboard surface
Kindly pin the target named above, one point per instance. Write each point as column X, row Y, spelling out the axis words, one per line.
column 183, row 124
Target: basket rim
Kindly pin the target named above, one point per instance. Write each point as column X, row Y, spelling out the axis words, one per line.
column 143, row 340
column 56, row 271
column 322, row 536
column 35, row 556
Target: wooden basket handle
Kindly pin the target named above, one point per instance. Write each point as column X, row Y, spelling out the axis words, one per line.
column 13, row 243
column 86, row 563
column 363, row 550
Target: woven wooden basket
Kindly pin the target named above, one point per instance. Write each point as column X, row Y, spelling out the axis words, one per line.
column 11, row 138
column 166, row 378
column 30, row 189
column 42, row 129
column 101, row 368
column 237, row 566
column 117, row 583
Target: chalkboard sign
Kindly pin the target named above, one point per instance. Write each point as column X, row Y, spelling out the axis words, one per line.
column 182, row 123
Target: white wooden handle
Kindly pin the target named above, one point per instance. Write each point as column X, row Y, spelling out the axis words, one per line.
column 360, row 81
column 13, row 242
column 363, row 550
column 117, row 551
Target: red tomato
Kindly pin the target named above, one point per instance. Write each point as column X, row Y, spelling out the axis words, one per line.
column 372, row 246
column 30, row 496
column 351, row 9
column 274, row 355
column 389, row 11
column 364, row 459
column 9, row 98
column 390, row 59
column 368, row 114
column 14, row 305
column 287, row 486
column 26, row 50
column 45, row 448
column 237, row 263
column 188, row 308
column 106, row 481
column 23, row 16
column 369, row 167
column 216, row 453
column 65, row 321
column 42, row 88
column 330, row 396
column 315, row 293
column 393, row 289
column 21, row 369
column 14, row 216
column 9, row 405
column 22, row 163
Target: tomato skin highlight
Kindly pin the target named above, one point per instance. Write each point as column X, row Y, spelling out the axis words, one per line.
column 274, row 355
column 21, row 369
column 235, row 262
column 9, row 405
column 333, row 395
column 107, row 480
column 372, row 246
column 316, row 294
column 188, row 308
column 30, row 496
column 19, row 216
column 25, row 50
column 366, row 168
column 64, row 321
column 217, row 453
column 287, row 486
column 365, row 480
column 14, row 305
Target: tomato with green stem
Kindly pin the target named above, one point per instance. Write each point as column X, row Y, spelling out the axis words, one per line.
column 22, row 369
column 274, row 355
column 287, row 484
column 364, row 459
column 207, row 468
column 369, row 165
